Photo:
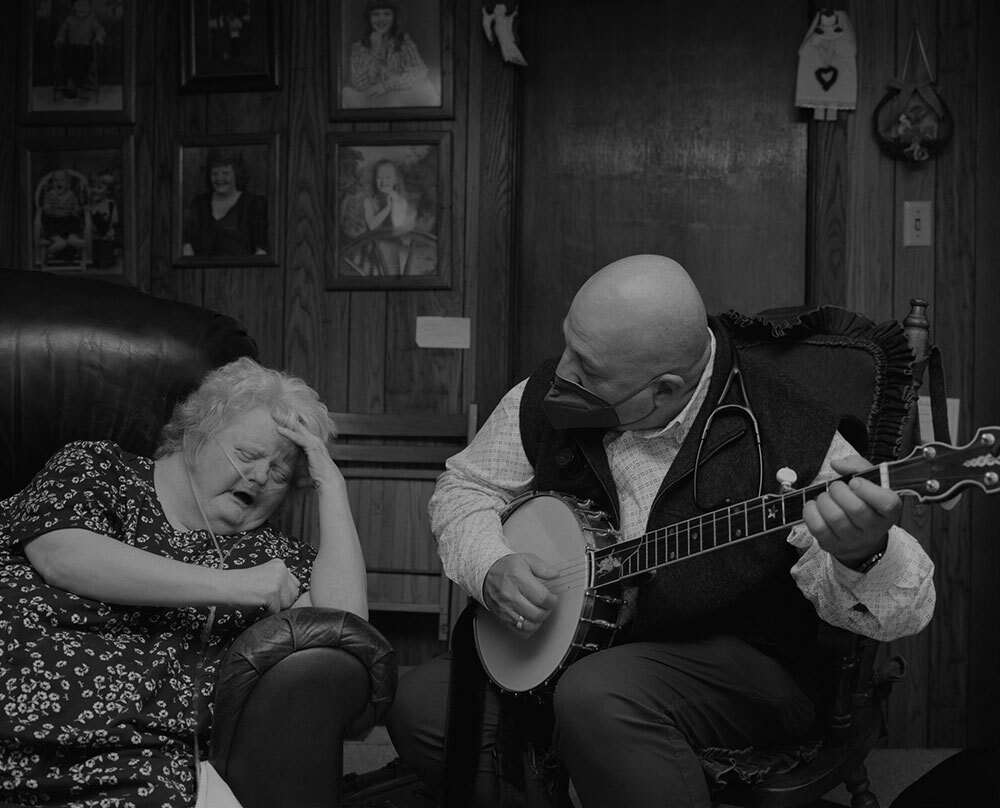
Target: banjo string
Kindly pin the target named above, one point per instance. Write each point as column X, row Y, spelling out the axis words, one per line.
column 573, row 572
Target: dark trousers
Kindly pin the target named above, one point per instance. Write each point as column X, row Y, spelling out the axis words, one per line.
column 627, row 720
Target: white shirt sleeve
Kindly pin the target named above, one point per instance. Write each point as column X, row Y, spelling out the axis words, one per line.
column 894, row 599
column 472, row 493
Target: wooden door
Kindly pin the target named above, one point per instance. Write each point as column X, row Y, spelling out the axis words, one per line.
column 659, row 126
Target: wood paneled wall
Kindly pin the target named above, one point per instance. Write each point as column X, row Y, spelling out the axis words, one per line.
column 951, row 696
column 358, row 348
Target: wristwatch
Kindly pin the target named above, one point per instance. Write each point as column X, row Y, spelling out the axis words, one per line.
column 869, row 562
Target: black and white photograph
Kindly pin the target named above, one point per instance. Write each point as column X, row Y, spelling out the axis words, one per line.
column 229, row 46
column 391, row 189
column 391, row 59
column 226, row 200
column 79, row 205
column 82, row 62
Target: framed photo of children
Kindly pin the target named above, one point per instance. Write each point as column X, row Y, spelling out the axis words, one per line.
column 229, row 45
column 81, row 62
column 393, row 210
column 226, row 201
column 78, row 205
column 391, row 59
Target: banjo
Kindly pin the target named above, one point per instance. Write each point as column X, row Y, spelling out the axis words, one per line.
column 593, row 564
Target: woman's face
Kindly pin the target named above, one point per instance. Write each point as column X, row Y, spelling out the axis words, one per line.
column 381, row 20
column 223, row 179
column 243, row 473
column 385, row 178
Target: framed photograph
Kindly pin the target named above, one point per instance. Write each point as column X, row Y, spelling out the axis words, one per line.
column 81, row 65
column 391, row 59
column 393, row 205
column 79, row 196
column 229, row 46
column 227, row 202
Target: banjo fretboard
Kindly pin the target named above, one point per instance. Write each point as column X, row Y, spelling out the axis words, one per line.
column 704, row 533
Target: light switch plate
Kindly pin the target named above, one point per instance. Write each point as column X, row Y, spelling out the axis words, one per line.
column 918, row 224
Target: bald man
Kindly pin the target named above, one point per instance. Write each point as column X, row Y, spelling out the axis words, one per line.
column 716, row 651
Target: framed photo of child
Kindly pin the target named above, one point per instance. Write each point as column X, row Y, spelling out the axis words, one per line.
column 229, row 45
column 226, row 201
column 78, row 206
column 391, row 59
column 81, row 57
column 392, row 217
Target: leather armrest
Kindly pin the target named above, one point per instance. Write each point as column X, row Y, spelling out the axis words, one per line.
column 291, row 688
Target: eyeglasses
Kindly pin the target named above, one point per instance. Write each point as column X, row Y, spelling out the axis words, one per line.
column 278, row 476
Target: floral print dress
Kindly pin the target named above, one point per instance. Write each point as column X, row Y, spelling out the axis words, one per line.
column 100, row 703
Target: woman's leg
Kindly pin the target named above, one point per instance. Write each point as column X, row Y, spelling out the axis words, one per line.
column 628, row 719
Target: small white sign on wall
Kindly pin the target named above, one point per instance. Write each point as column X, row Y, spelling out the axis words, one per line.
column 443, row 332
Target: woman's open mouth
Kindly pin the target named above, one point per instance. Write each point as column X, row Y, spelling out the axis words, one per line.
column 244, row 497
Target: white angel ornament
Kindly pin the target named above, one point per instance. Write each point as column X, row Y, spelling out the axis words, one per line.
column 503, row 23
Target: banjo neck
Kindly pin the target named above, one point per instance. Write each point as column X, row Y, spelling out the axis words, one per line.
column 707, row 532
column 932, row 472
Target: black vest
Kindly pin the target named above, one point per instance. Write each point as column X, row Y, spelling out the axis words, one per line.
column 745, row 588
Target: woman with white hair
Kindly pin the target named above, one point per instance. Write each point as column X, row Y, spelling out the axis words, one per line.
column 124, row 580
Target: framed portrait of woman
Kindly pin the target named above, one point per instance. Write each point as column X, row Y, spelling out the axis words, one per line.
column 229, row 46
column 226, row 201
column 81, row 61
column 79, row 199
column 392, row 226
column 391, row 59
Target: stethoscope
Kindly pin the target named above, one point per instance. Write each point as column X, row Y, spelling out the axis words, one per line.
column 743, row 409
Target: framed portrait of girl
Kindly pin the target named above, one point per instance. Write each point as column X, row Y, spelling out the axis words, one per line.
column 391, row 59
column 391, row 225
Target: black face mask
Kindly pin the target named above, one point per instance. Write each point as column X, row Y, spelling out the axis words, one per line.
column 568, row 405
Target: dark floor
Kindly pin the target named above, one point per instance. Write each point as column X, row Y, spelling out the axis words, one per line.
column 890, row 770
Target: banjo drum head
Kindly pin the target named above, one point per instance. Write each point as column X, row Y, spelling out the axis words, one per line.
column 546, row 525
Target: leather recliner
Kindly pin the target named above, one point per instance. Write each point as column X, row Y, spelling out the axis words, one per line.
column 87, row 360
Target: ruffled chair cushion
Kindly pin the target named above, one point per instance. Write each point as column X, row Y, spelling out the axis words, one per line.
column 860, row 369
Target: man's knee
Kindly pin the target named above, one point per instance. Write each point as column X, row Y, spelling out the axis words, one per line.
column 583, row 699
column 421, row 702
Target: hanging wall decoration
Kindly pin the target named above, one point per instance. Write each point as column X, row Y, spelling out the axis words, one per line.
column 498, row 25
column 392, row 218
column 912, row 121
column 392, row 60
column 81, row 61
column 226, row 201
column 79, row 199
column 828, row 77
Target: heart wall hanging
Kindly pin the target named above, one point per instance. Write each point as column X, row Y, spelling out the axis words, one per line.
column 827, row 78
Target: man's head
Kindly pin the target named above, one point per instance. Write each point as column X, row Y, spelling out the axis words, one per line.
column 636, row 337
